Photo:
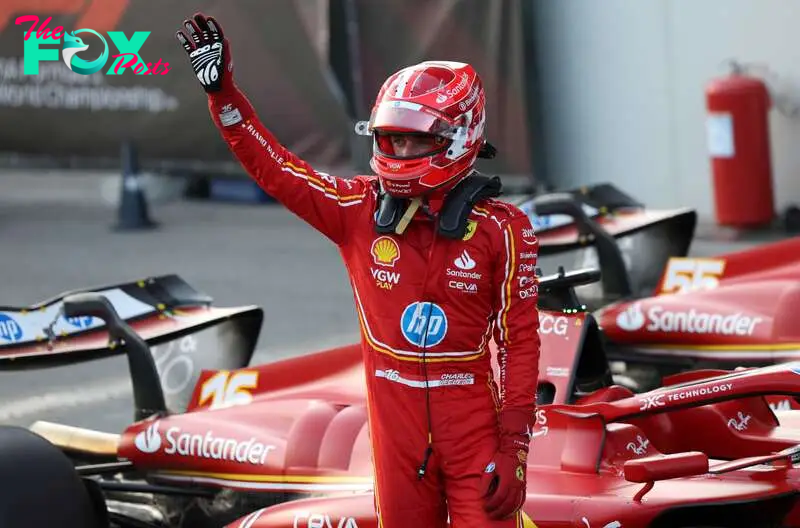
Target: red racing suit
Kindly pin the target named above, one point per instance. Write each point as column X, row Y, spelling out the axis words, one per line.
column 466, row 292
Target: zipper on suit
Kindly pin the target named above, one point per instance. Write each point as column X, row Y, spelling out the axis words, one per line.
column 429, row 448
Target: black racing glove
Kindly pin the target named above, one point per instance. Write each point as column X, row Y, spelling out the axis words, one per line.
column 209, row 52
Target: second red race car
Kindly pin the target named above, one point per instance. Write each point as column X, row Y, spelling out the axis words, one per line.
column 735, row 309
column 662, row 312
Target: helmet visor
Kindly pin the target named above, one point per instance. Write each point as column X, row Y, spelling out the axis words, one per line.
column 409, row 145
column 401, row 116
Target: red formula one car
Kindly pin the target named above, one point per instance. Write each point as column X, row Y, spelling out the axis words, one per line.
column 661, row 312
column 285, row 444
column 726, row 311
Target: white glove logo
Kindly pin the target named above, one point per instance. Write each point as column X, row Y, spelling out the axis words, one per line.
column 206, row 62
column 149, row 440
column 203, row 40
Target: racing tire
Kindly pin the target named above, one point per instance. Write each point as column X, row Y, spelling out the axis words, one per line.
column 41, row 486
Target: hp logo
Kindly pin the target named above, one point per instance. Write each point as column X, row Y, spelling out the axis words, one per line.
column 421, row 318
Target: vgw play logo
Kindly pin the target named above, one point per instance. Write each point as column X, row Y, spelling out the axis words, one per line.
column 128, row 56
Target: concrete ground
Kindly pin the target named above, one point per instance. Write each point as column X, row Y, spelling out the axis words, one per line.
column 56, row 235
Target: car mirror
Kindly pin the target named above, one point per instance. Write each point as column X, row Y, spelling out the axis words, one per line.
column 665, row 467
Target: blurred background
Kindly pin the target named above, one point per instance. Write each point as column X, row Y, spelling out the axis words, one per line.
column 312, row 68
column 579, row 92
column 110, row 178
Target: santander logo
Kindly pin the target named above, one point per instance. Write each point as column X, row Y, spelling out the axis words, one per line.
column 464, row 261
column 632, row 318
column 657, row 318
column 149, row 440
column 207, row 445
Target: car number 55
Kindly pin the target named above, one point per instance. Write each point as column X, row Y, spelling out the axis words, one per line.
column 689, row 274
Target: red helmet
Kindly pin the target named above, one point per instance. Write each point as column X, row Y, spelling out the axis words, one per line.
column 441, row 100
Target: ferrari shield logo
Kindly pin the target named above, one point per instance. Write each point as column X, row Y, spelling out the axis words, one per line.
column 472, row 225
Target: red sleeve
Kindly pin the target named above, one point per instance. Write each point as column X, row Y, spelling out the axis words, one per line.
column 516, row 330
column 326, row 202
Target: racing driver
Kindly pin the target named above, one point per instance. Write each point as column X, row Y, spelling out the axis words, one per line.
column 438, row 268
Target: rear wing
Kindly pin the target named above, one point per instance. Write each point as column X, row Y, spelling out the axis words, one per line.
column 42, row 330
column 176, row 323
column 600, row 226
column 594, row 200
column 22, row 327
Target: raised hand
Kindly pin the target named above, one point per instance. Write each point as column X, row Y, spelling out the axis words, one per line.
column 208, row 50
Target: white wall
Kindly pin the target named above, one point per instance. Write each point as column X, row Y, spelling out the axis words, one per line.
column 623, row 86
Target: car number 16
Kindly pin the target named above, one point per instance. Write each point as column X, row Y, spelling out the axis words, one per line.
column 226, row 389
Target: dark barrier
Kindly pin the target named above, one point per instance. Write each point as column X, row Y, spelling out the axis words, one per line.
column 282, row 61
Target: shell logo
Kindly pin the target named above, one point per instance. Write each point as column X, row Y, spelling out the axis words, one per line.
column 385, row 251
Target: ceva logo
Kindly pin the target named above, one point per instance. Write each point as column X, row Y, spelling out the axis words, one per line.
column 149, row 440
column 128, row 56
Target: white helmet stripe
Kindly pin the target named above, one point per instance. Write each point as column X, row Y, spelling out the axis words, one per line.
column 402, row 83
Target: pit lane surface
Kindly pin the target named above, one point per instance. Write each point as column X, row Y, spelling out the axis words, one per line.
column 55, row 235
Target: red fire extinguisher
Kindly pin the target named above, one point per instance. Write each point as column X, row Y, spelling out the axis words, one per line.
column 739, row 145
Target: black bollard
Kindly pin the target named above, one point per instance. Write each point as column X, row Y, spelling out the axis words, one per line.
column 132, row 213
column 791, row 219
